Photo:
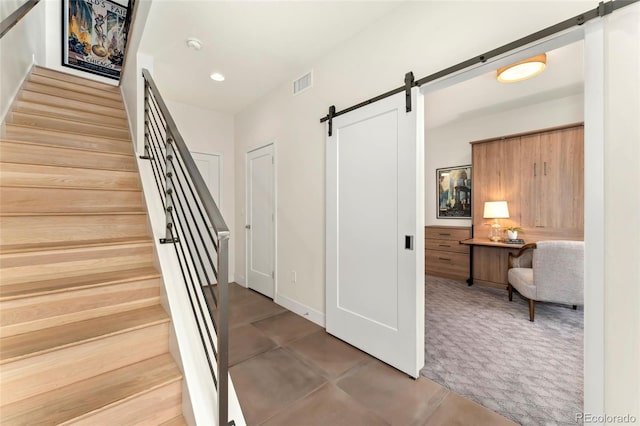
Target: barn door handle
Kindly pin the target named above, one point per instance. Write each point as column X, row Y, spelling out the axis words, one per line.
column 408, row 242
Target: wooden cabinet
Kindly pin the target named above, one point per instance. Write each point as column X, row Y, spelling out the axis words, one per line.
column 490, row 265
column 540, row 175
column 444, row 255
column 560, row 179
column 496, row 177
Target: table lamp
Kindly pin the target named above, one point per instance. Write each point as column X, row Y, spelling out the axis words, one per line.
column 495, row 210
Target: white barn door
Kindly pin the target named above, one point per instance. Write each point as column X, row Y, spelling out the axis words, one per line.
column 375, row 231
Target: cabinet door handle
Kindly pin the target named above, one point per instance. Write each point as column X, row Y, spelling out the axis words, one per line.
column 443, row 245
column 545, row 168
column 445, row 234
column 444, row 258
column 535, row 168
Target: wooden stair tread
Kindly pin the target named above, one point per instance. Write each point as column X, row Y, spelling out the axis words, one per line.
column 46, row 154
column 87, row 99
column 48, row 339
column 66, row 132
column 95, row 213
column 65, row 245
column 69, row 187
column 27, row 95
column 72, row 121
column 74, row 86
column 176, row 421
column 57, row 285
column 62, row 112
column 34, row 200
column 43, row 176
column 79, row 142
column 48, row 72
column 94, row 394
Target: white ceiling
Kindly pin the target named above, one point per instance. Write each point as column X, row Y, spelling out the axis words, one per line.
column 483, row 95
column 257, row 45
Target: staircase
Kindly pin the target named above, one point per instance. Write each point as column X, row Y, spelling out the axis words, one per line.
column 83, row 337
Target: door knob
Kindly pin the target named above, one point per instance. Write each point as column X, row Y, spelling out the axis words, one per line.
column 247, row 226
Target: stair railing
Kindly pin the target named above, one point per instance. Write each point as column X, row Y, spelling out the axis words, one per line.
column 11, row 20
column 198, row 232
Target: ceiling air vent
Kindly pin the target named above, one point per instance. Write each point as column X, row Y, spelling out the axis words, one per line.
column 303, row 83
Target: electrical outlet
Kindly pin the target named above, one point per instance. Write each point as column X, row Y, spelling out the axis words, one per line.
column 294, row 277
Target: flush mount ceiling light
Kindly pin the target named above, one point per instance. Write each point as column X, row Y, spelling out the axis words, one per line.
column 522, row 70
column 194, row 43
column 216, row 76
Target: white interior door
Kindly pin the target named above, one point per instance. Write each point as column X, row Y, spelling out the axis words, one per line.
column 260, row 220
column 210, row 167
column 375, row 226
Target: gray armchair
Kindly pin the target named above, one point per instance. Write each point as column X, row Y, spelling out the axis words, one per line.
column 548, row 271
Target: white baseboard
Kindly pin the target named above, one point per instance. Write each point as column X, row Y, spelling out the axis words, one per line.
column 300, row 309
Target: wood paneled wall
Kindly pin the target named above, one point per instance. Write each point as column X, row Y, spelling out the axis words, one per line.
column 540, row 175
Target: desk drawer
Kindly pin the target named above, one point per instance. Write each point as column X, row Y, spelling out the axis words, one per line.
column 447, row 264
column 445, row 245
column 447, row 233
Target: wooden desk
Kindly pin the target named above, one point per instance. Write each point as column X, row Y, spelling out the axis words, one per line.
column 489, row 262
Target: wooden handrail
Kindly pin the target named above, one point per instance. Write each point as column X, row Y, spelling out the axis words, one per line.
column 11, row 20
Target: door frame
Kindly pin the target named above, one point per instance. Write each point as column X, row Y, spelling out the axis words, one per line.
column 592, row 35
column 275, row 214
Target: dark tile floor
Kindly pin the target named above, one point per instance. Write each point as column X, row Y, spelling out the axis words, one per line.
column 289, row 371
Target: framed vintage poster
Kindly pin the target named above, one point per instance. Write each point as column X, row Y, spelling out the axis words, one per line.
column 95, row 35
column 454, row 192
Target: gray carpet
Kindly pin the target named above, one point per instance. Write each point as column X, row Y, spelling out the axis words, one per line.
column 484, row 347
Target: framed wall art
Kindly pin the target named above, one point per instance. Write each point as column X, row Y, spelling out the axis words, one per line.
column 454, row 192
column 95, row 35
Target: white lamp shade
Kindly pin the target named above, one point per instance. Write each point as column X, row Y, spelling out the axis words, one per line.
column 496, row 210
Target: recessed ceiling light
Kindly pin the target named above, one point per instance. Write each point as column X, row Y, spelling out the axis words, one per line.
column 194, row 43
column 216, row 76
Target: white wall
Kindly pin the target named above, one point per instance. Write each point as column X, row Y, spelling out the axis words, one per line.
column 212, row 132
column 20, row 48
column 448, row 145
column 622, row 212
column 374, row 61
column 131, row 81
